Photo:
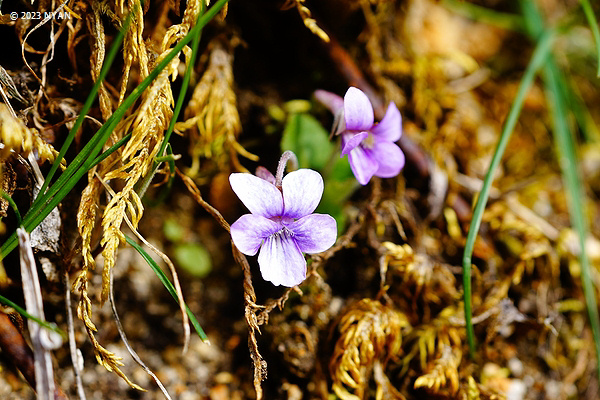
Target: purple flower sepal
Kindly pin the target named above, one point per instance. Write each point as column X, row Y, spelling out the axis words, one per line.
column 370, row 147
column 282, row 224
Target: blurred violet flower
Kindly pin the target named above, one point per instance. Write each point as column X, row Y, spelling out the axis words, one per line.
column 281, row 223
column 370, row 147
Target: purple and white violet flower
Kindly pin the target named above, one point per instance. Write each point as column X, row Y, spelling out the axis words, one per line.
column 370, row 147
column 281, row 223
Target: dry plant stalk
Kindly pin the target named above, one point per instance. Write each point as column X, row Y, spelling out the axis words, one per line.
column 212, row 117
column 306, row 16
column 16, row 137
column 43, row 340
column 131, row 164
column 94, row 25
column 371, row 333
column 250, row 306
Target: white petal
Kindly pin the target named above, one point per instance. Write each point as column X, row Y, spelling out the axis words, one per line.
column 281, row 261
column 302, row 191
column 258, row 195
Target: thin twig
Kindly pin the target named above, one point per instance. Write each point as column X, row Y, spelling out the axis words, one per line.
column 193, row 189
column 52, row 39
column 132, row 352
column 250, row 306
column 167, row 260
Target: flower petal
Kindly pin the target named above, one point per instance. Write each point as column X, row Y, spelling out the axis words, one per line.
column 390, row 159
column 302, row 191
column 390, row 127
column 358, row 111
column 330, row 100
column 281, row 261
column 314, row 233
column 265, row 174
column 363, row 164
column 249, row 231
column 350, row 141
column 258, row 195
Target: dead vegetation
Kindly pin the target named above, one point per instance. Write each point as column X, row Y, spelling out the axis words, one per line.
column 381, row 312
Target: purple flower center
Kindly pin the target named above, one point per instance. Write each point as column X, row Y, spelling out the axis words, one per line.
column 283, row 234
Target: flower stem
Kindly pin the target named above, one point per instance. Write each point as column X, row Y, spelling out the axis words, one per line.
column 285, row 157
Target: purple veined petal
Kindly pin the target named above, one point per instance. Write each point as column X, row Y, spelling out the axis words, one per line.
column 358, row 111
column 314, row 233
column 249, row 231
column 281, row 261
column 265, row 174
column 258, row 195
column 390, row 159
column 390, row 127
column 302, row 191
column 363, row 164
column 330, row 100
column 350, row 141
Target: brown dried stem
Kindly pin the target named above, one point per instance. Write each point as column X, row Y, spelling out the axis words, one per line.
column 250, row 306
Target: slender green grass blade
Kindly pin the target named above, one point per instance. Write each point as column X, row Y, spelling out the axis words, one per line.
column 85, row 159
column 589, row 14
column 565, row 149
column 168, row 285
column 111, row 150
column 538, row 58
column 557, row 92
column 13, row 205
column 25, row 314
column 169, row 158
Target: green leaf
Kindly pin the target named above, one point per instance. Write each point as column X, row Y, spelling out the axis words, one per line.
column 173, row 230
column 168, row 285
column 305, row 136
column 194, row 259
column 339, row 186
